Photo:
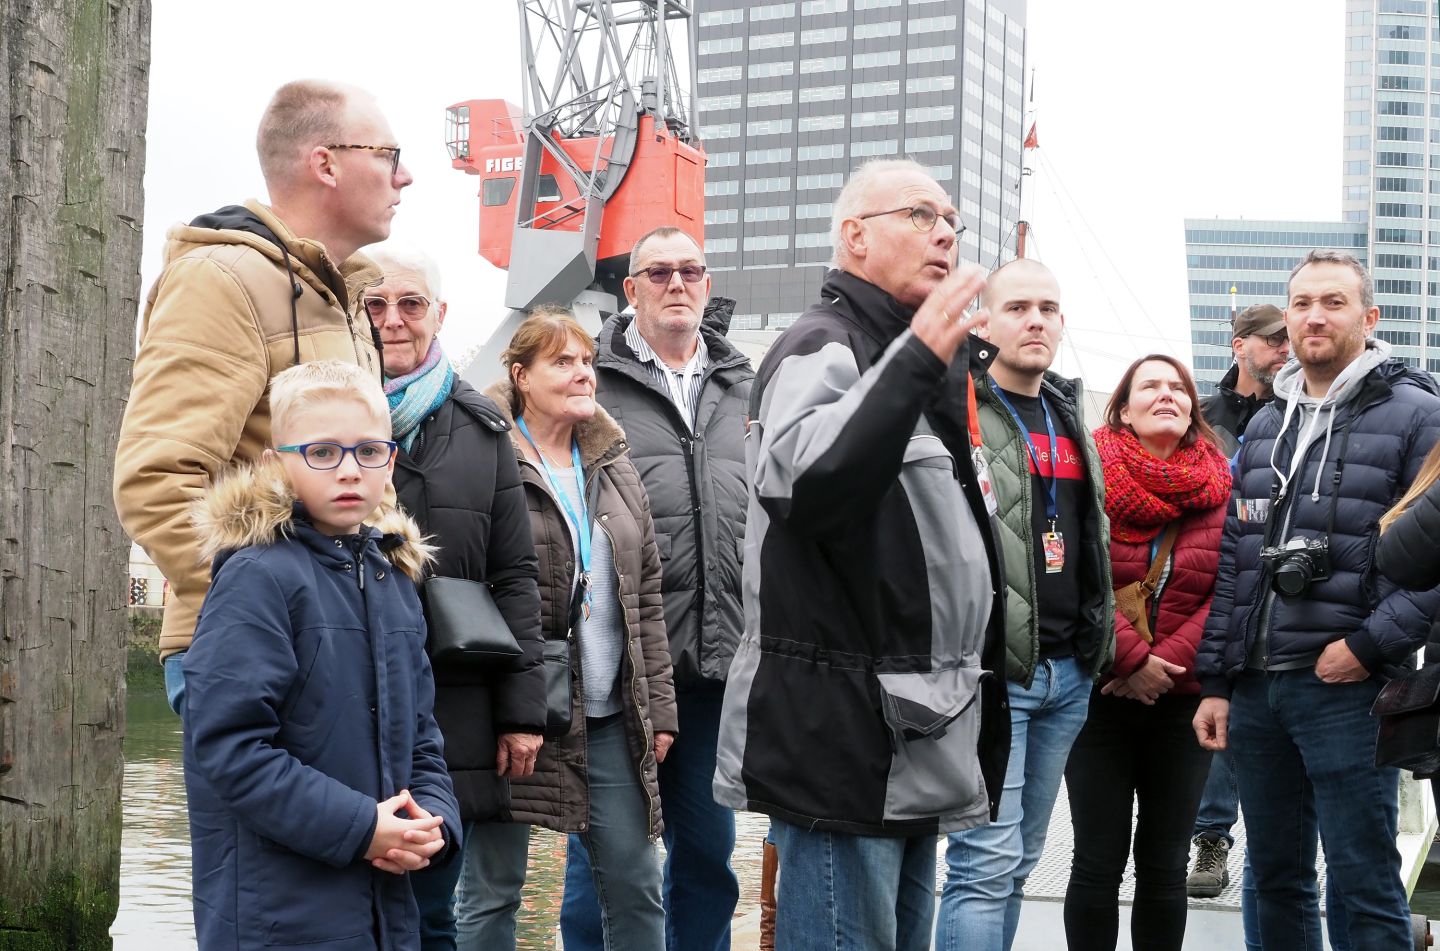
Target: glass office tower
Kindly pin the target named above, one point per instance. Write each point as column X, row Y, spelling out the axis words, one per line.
column 792, row 96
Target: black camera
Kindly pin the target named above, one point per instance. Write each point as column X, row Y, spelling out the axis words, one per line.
column 1297, row 564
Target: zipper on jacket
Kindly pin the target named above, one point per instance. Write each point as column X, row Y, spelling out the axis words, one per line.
column 687, row 436
column 647, row 736
column 697, row 519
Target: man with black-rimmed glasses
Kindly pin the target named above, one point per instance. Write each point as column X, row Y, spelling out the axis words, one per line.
column 679, row 389
column 248, row 291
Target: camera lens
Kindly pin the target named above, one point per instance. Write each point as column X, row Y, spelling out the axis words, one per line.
column 1292, row 578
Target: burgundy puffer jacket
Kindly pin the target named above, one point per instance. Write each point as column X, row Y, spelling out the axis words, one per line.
column 1184, row 602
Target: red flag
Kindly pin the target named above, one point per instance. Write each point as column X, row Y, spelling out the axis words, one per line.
column 1032, row 141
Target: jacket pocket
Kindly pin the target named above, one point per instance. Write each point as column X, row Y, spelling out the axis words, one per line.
column 949, row 574
column 933, row 721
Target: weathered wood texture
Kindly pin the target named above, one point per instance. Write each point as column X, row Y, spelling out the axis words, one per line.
column 73, row 142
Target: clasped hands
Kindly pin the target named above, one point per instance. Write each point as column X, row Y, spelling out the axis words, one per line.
column 1147, row 683
column 400, row 844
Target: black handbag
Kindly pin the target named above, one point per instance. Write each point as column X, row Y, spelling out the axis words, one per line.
column 559, row 675
column 466, row 629
column 1409, row 711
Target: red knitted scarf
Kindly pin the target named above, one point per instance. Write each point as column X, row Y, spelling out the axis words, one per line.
column 1143, row 494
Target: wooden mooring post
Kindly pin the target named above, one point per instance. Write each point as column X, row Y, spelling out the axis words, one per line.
column 72, row 156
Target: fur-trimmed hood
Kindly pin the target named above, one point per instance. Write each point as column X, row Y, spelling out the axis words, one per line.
column 255, row 505
column 600, row 437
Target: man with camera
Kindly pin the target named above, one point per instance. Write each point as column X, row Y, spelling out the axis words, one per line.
column 1303, row 632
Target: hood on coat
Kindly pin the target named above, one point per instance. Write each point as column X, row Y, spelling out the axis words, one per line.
column 599, row 436
column 255, row 505
column 255, row 225
column 1290, row 387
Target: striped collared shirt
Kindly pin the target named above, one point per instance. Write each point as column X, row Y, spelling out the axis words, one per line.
column 683, row 384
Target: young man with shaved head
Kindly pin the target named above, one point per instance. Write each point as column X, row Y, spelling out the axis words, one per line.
column 248, row 291
column 1059, row 611
column 858, row 713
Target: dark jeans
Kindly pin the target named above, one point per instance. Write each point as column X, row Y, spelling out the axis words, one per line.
column 1128, row 751
column 701, row 889
column 1304, row 752
column 434, row 890
column 1220, row 805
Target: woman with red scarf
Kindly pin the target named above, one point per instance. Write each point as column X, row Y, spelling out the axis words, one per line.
column 1162, row 469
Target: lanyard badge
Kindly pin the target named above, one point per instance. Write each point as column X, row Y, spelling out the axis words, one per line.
column 580, row 520
column 1052, row 543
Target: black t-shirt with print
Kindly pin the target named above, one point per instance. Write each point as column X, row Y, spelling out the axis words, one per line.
column 1057, row 594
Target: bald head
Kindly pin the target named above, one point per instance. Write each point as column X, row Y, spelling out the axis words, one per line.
column 1023, row 300
column 1009, row 273
column 302, row 115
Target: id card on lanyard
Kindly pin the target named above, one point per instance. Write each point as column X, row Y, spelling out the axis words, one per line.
column 581, row 519
column 1052, row 543
column 977, row 453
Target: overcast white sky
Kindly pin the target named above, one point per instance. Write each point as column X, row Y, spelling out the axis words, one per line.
column 1148, row 112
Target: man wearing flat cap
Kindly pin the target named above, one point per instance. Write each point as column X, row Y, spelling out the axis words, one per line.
column 1261, row 348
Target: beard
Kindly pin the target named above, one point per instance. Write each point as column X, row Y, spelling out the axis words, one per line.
column 1262, row 373
column 1344, row 348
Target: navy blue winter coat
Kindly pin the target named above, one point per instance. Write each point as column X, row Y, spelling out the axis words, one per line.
column 308, row 699
column 1393, row 421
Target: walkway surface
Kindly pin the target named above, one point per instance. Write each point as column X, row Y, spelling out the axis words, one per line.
column 1213, row 924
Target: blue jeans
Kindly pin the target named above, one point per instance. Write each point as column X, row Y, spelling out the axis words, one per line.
column 624, row 869
column 840, row 892
column 1220, row 803
column 988, row 865
column 488, row 897
column 175, row 682
column 434, row 891
column 700, row 890
column 1304, row 754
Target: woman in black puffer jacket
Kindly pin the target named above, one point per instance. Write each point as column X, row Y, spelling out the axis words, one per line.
column 457, row 476
column 1408, row 554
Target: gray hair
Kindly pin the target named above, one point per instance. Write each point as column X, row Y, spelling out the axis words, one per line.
column 1319, row 256
column 391, row 256
column 664, row 231
column 852, row 196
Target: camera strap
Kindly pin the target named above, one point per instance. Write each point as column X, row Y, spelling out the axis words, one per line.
column 1273, row 519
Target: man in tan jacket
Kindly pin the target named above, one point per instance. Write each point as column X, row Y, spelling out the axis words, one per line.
column 248, row 291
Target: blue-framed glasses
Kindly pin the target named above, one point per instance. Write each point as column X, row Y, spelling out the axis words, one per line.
column 371, row 454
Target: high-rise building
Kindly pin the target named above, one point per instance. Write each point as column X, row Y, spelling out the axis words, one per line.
column 1254, row 258
column 792, row 96
column 1392, row 116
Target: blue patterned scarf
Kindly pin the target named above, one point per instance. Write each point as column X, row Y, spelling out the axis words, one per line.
column 419, row 393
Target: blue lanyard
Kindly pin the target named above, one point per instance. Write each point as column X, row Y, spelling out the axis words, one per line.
column 580, row 520
column 1052, row 508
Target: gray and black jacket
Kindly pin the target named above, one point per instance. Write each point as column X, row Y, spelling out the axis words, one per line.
column 867, row 695
column 696, row 483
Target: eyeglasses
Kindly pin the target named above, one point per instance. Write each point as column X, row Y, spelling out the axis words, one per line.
column 394, row 151
column 661, row 273
column 923, row 217
column 411, row 307
column 1275, row 339
column 371, row 454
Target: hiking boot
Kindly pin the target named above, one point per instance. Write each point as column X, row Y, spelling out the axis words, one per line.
column 1211, row 872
